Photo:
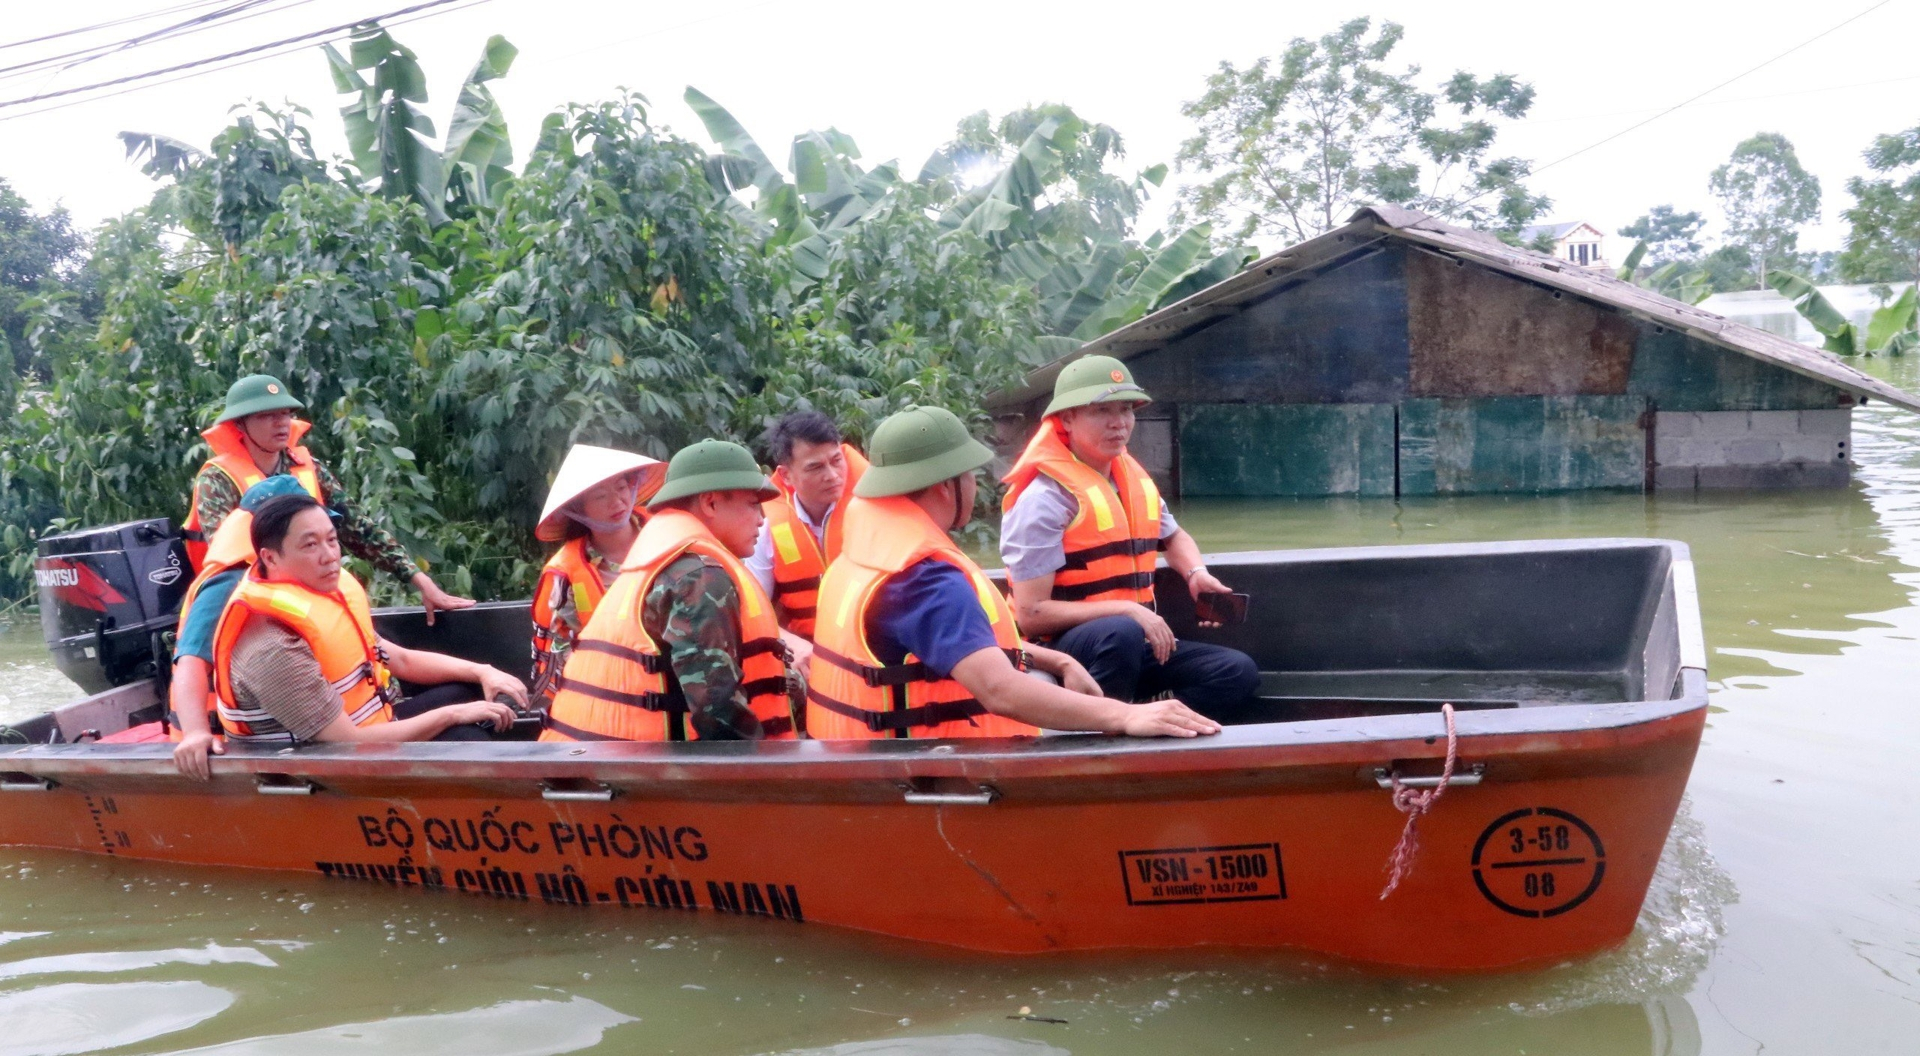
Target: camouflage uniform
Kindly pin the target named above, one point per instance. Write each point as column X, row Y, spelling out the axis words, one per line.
column 360, row 535
column 694, row 608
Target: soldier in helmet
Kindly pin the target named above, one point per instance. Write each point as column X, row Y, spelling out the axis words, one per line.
column 685, row 645
column 914, row 641
column 1081, row 535
column 256, row 437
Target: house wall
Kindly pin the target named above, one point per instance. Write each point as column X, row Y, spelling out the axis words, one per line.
column 1406, row 372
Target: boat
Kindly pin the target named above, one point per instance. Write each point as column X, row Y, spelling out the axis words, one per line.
column 1565, row 680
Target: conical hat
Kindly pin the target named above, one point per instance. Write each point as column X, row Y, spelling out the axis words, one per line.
column 585, row 467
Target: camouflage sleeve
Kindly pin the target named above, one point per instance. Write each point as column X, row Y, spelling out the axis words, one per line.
column 214, row 497
column 361, row 535
column 694, row 609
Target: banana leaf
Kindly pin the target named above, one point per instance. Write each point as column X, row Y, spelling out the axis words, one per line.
column 1211, row 272
column 1887, row 324
column 1842, row 337
column 733, row 138
column 391, row 139
column 478, row 152
column 159, row 156
column 1632, row 264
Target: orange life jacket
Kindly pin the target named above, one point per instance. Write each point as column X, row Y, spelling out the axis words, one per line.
column 570, row 565
column 798, row 560
column 337, row 626
column 229, row 548
column 230, row 457
column 1113, row 542
column 615, row 686
column 851, row 694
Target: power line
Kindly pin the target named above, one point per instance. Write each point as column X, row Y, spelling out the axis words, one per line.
column 461, row 5
column 234, row 12
column 1701, row 95
column 330, row 31
column 163, row 12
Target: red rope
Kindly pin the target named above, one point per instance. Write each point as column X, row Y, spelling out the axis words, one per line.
column 1413, row 803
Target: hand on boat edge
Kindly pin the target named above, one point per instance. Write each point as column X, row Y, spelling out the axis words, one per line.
column 190, row 754
column 1166, row 718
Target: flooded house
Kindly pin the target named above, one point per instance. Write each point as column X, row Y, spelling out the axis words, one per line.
column 1399, row 355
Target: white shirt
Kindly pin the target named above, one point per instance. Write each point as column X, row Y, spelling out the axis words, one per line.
column 1033, row 534
column 761, row 563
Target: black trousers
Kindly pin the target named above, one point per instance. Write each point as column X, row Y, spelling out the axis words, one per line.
column 439, row 697
column 1213, row 680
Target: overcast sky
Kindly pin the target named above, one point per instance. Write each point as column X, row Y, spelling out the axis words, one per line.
column 896, row 76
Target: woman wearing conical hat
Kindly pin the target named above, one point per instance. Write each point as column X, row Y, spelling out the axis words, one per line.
column 594, row 510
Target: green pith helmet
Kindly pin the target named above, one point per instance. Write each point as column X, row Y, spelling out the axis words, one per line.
column 713, row 465
column 255, row 393
column 1094, row 379
column 917, row 448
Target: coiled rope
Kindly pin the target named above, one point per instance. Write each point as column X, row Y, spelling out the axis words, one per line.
column 1413, row 802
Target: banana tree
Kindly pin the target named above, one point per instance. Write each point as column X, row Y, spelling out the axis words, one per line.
column 392, row 138
column 1676, row 279
column 828, row 194
column 1890, row 329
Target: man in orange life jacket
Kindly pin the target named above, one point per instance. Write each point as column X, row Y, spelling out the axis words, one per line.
column 190, row 692
column 914, row 640
column 296, row 658
column 816, row 473
column 684, row 645
column 257, row 436
column 1080, row 538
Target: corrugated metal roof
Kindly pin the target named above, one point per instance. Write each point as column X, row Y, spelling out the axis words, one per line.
column 1370, row 226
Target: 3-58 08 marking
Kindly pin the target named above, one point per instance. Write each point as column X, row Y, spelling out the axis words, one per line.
column 1246, row 872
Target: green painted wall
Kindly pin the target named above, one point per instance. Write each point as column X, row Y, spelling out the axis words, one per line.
column 1679, row 373
column 1521, row 444
column 1286, row 449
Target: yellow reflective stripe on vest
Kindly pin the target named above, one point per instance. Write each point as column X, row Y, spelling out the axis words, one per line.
column 298, row 607
column 786, row 544
column 1102, row 513
column 983, row 587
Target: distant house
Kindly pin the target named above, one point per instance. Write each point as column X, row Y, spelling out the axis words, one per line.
column 1399, row 355
column 1577, row 242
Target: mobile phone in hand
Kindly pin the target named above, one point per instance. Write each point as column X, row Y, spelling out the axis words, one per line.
column 1221, row 607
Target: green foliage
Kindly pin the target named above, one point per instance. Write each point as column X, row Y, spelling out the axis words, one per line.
column 37, row 252
column 1669, row 236
column 1883, row 244
column 1767, row 197
column 1891, row 330
column 1288, row 148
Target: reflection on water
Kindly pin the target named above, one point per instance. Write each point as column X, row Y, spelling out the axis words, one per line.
column 87, row 1017
column 132, row 961
column 510, row 1028
column 941, row 1045
column 1801, row 801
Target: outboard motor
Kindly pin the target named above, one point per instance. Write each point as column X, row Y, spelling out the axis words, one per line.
column 108, row 597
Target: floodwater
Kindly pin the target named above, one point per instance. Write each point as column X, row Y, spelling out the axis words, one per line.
column 1785, row 917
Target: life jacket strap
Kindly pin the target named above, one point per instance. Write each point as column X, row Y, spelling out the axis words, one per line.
column 1083, row 591
column 761, row 646
column 646, row 701
column 651, row 663
column 795, row 586
column 902, row 719
column 1079, row 559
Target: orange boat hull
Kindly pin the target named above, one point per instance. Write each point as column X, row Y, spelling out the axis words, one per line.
column 1264, row 837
